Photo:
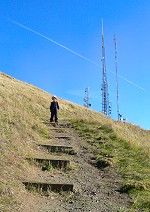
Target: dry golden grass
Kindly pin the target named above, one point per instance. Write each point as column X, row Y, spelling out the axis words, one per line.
column 23, row 110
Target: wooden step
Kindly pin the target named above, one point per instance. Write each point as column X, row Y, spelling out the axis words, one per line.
column 64, row 137
column 56, row 148
column 47, row 163
column 46, row 186
column 62, row 130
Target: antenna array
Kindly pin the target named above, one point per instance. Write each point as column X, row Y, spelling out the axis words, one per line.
column 117, row 96
column 87, row 97
column 119, row 115
column 106, row 108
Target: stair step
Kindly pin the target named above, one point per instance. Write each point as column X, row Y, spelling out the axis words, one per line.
column 57, row 148
column 58, row 129
column 45, row 186
column 64, row 137
column 55, row 163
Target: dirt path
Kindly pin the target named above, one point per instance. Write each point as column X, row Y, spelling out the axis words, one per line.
column 94, row 190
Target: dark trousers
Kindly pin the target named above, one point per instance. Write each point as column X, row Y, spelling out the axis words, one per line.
column 54, row 114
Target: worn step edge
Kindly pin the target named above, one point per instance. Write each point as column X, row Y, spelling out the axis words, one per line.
column 59, row 147
column 64, row 137
column 44, row 186
column 64, row 149
column 56, row 163
column 63, row 129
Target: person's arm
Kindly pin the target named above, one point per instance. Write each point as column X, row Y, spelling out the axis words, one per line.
column 57, row 106
column 50, row 106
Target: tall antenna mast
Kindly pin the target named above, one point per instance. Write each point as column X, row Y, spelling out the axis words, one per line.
column 87, row 98
column 106, row 109
column 117, row 95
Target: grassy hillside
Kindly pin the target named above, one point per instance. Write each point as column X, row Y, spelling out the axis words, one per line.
column 23, row 111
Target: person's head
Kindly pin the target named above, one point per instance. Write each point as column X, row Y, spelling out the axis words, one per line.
column 54, row 98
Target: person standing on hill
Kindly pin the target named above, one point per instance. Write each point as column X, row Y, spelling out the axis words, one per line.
column 54, row 107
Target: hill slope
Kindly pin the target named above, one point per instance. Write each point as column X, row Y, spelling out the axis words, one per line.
column 23, row 111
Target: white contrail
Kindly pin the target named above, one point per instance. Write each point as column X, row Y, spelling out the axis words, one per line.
column 127, row 80
column 31, row 30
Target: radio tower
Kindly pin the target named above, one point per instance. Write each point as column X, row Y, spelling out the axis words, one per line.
column 87, row 97
column 117, row 96
column 120, row 118
column 106, row 108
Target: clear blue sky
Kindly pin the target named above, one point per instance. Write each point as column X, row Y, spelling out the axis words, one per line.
column 76, row 24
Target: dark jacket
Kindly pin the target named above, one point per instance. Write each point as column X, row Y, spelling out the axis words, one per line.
column 54, row 106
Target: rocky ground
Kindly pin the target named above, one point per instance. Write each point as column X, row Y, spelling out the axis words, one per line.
column 94, row 189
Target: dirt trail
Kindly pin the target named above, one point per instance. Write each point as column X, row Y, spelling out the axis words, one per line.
column 94, row 189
